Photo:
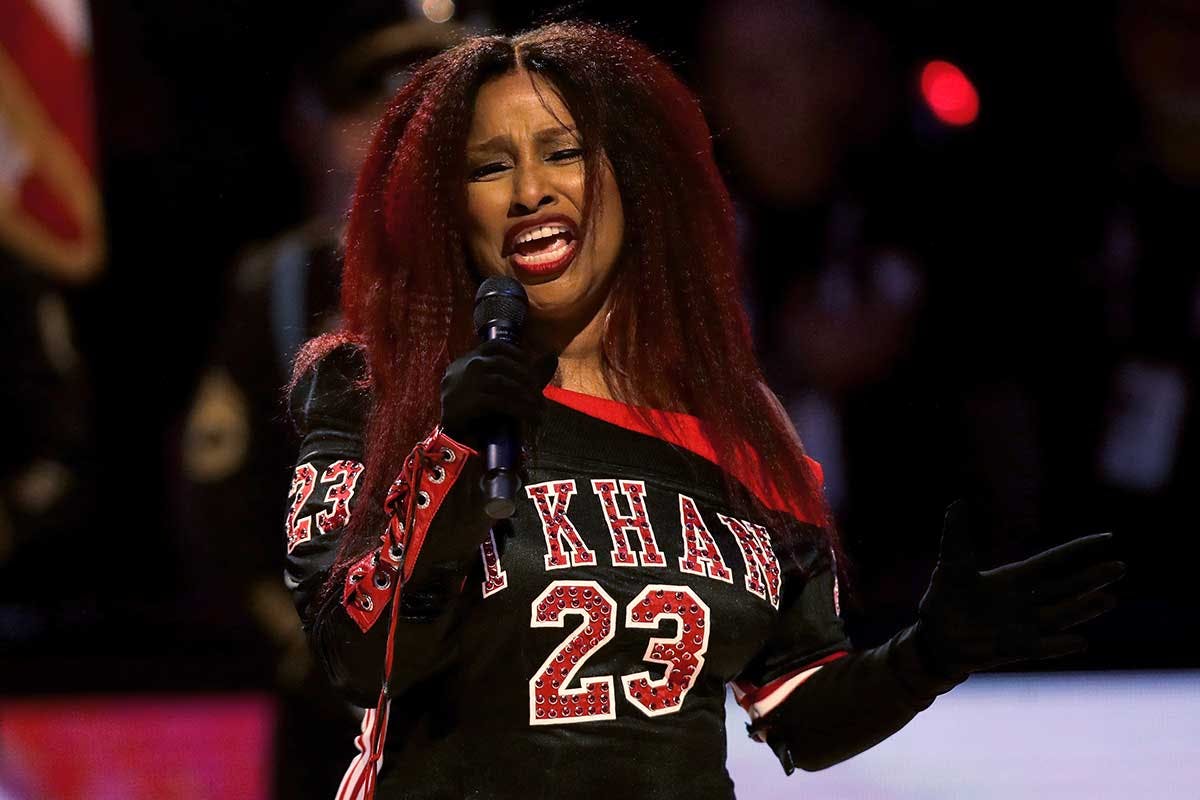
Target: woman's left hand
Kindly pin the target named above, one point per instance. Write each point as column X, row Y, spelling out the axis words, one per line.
column 970, row 620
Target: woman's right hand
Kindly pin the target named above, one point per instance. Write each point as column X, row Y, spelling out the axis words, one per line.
column 496, row 379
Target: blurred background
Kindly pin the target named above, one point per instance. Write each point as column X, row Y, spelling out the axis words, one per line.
column 969, row 232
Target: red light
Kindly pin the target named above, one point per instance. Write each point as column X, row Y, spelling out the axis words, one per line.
column 949, row 93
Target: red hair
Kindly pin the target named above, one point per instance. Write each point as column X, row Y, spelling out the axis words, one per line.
column 678, row 337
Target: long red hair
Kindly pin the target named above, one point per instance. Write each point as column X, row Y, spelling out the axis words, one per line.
column 678, row 337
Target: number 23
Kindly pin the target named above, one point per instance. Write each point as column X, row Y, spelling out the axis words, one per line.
column 550, row 703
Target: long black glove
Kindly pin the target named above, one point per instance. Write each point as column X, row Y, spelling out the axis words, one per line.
column 969, row 621
column 496, row 379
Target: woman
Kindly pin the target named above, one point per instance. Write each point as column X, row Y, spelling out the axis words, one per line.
column 671, row 536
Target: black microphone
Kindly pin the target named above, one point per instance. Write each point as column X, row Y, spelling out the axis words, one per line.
column 500, row 309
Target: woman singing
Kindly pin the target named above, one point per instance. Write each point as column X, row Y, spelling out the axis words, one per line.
column 670, row 536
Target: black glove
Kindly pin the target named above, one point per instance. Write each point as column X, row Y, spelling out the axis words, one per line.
column 496, row 379
column 970, row 621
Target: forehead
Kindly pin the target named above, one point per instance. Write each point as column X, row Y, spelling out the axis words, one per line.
column 510, row 105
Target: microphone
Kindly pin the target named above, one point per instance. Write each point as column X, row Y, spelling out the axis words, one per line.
column 501, row 306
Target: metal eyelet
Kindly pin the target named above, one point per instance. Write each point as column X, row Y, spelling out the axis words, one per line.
column 448, row 455
column 383, row 579
column 396, row 551
column 422, row 499
column 365, row 602
column 355, row 577
column 439, row 474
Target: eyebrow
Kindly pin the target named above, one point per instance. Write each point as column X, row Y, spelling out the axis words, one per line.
column 545, row 134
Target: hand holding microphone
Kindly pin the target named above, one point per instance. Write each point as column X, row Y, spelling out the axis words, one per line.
column 493, row 380
column 490, row 390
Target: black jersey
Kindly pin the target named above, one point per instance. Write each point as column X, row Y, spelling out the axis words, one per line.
column 590, row 645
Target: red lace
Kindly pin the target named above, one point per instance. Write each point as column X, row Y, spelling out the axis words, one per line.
column 398, row 505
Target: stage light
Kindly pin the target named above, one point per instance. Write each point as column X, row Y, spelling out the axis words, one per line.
column 949, row 93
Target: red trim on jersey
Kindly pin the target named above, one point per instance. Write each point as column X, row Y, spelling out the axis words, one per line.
column 756, row 694
column 687, row 432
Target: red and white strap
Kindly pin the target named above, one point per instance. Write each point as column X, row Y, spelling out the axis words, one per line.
column 429, row 472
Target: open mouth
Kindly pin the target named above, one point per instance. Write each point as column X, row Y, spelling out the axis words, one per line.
column 544, row 250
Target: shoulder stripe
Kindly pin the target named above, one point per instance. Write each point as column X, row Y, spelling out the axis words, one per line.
column 686, row 431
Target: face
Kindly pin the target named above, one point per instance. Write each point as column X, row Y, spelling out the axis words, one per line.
column 525, row 186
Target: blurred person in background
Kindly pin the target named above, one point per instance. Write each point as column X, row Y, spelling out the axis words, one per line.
column 52, row 245
column 836, row 282
column 284, row 291
column 47, row 481
column 1138, row 436
column 940, row 323
column 1146, row 277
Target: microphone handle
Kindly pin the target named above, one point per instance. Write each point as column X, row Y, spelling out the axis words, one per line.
column 502, row 450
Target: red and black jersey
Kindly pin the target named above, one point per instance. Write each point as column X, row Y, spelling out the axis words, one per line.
column 585, row 647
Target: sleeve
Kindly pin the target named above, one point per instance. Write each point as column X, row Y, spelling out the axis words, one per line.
column 815, row 699
column 808, row 634
column 433, row 524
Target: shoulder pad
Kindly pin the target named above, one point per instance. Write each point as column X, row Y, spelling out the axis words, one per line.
column 327, row 393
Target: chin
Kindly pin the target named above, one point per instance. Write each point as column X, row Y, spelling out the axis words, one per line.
column 549, row 309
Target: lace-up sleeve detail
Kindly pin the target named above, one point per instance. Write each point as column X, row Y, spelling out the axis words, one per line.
column 414, row 500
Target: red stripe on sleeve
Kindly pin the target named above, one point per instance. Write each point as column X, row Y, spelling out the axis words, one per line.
column 756, row 694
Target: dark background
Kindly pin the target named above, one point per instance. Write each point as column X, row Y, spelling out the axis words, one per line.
column 1017, row 228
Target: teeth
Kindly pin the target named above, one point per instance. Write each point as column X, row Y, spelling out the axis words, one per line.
column 552, row 254
column 540, row 233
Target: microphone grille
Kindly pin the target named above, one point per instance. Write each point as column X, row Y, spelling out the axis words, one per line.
column 500, row 300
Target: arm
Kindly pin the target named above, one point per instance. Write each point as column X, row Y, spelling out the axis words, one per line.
column 968, row 620
column 431, row 531
column 811, row 695
column 850, row 705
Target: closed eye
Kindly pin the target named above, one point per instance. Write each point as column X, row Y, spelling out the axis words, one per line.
column 485, row 170
column 566, row 154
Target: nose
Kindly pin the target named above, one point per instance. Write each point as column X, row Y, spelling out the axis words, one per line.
column 531, row 190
